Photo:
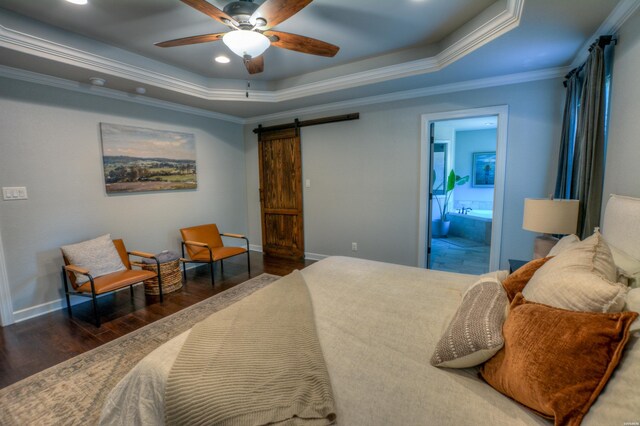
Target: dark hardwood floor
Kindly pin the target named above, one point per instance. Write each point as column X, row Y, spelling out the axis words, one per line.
column 36, row 344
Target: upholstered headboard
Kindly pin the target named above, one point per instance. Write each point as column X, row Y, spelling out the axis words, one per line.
column 621, row 224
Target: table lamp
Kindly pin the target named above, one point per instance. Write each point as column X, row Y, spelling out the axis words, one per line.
column 549, row 217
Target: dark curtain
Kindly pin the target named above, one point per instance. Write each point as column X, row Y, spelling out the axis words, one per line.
column 583, row 145
column 567, row 143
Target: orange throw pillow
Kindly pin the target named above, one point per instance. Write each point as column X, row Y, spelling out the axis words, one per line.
column 516, row 281
column 556, row 362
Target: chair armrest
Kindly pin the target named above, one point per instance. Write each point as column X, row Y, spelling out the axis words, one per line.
column 76, row 269
column 227, row 234
column 141, row 254
column 195, row 243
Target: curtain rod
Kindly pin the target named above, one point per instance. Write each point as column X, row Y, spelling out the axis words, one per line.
column 296, row 124
column 601, row 41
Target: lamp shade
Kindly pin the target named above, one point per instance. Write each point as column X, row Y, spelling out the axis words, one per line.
column 550, row 216
column 246, row 43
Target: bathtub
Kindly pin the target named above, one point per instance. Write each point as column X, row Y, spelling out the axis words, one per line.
column 483, row 214
column 474, row 225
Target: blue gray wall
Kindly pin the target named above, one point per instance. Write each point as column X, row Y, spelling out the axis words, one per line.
column 467, row 143
column 51, row 144
column 365, row 174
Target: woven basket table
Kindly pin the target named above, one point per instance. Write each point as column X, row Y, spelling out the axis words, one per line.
column 171, row 277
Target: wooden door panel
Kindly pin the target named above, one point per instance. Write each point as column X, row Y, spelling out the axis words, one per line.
column 280, row 188
column 280, row 239
column 281, row 193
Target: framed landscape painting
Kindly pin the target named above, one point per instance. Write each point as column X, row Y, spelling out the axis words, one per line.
column 484, row 169
column 136, row 159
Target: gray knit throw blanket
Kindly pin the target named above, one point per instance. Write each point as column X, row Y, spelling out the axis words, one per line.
column 256, row 362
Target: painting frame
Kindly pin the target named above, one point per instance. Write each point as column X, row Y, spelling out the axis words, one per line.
column 483, row 169
column 139, row 159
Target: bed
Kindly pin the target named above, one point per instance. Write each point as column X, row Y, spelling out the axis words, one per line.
column 377, row 325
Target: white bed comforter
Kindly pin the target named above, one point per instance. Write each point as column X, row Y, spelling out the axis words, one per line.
column 378, row 324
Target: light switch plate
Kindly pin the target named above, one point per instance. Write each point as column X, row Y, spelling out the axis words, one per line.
column 14, row 193
column 307, row 183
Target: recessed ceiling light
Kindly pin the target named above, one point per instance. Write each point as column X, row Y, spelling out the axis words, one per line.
column 97, row 81
column 141, row 90
column 222, row 59
column 78, row 1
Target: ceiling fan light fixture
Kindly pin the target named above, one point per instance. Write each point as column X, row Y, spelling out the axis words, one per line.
column 246, row 43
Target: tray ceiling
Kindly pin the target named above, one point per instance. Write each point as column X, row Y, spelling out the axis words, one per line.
column 386, row 46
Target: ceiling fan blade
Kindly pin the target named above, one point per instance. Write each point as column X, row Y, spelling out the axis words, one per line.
column 276, row 11
column 302, row 44
column 204, row 38
column 255, row 65
column 211, row 11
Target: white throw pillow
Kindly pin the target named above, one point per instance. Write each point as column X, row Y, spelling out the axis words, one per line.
column 475, row 333
column 628, row 267
column 99, row 256
column 580, row 278
column 564, row 243
column 633, row 304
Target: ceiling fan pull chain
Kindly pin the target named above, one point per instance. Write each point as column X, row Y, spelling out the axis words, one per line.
column 248, row 87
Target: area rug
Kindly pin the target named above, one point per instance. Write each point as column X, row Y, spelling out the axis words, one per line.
column 73, row 392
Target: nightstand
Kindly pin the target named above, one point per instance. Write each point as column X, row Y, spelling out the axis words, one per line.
column 515, row 264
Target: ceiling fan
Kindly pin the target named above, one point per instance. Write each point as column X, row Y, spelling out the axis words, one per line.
column 251, row 32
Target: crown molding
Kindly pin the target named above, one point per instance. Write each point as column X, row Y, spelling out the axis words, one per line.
column 611, row 25
column 506, row 20
column 494, row 28
column 47, row 80
column 483, row 83
column 36, row 46
column 504, row 80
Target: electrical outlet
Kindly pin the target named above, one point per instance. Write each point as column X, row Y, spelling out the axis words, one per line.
column 14, row 193
column 354, row 246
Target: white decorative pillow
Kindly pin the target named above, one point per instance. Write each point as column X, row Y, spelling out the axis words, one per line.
column 564, row 243
column 633, row 304
column 580, row 278
column 99, row 256
column 475, row 333
column 628, row 267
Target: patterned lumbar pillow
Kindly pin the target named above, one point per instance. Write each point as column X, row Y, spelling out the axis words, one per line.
column 475, row 332
column 99, row 256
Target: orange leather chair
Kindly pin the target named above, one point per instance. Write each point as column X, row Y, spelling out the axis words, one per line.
column 204, row 245
column 110, row 282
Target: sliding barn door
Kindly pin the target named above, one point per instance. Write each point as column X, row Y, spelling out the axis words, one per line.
column 281, row 193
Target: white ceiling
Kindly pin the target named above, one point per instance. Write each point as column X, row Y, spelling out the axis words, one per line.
column 386, row 46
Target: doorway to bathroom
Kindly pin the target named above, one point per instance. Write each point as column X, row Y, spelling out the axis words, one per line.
column 464, row 185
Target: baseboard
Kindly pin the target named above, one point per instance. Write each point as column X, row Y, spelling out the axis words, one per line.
column 307, row 255
column 315, row 256
column 56, row 305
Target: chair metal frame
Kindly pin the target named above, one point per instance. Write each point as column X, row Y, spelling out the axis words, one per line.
column 212, row 262
column 94, row 300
